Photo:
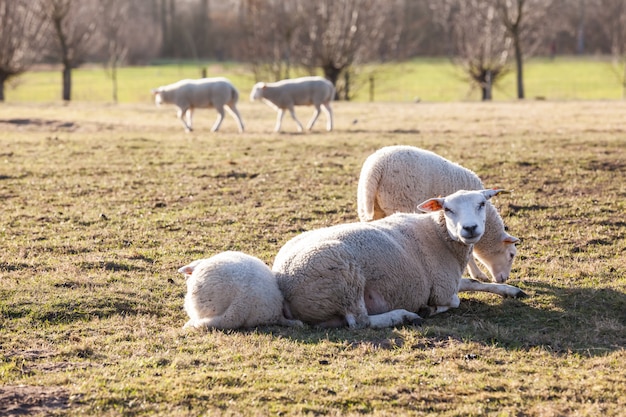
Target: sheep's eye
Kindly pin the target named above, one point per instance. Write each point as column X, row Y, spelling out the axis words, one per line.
column 481, row 205
column 448, row 210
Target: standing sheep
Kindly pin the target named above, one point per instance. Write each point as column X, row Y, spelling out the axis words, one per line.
column 378, row 274
column 232, row 290
column 397, row 178
column 306, row 91
column 188, row 95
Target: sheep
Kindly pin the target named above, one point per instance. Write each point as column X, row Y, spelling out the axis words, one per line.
column 232, row 290
column 385, row 272
column 188, row 95
column 397, row 178
column 306, row 91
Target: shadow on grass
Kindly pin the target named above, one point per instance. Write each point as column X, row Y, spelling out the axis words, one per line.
column 82, row 308
column 585, row 321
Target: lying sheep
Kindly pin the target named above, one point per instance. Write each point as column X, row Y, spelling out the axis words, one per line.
column 378, row 274
column 397, row 178
column 188, row 95
column 306, row 91
column 232, row 290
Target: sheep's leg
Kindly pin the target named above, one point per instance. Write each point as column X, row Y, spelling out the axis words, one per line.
column 428, row 311
column 289, row 323
column 181, row 115
column 189, row 118
column 220, row 118
column 314, row 118
column 235, row 114
column 279, row 120
column 293, row 116
column 475, row 272
column 394, row 318
column 329, row 116
column 504, row 290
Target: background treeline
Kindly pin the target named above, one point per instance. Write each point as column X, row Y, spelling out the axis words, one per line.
column 279, row 38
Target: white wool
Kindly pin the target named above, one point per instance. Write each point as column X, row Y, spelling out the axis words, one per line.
column 232, row 290
column 380, row 273
column 305, row 91
column 397, row 178
column 187, row 95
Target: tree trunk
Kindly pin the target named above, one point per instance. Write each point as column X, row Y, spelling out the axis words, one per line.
column 67, row 82
column 519, row 62
column 114, row 79
column 486, row 86
column 2, row 80
column 332, row 74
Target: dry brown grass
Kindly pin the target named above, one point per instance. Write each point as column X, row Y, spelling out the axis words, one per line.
column 101, row 205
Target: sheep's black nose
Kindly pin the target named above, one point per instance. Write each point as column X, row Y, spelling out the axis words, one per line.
column 471, row 230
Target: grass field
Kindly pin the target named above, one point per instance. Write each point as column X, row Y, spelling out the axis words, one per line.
column 564, row 78
column 101, row 204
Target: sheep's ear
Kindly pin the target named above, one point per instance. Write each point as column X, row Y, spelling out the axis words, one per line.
column 510, row 240
column 187, row 269
column 494, row 192
column 434, row 204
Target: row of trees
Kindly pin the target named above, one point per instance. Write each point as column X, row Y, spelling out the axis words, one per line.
column 487, row 38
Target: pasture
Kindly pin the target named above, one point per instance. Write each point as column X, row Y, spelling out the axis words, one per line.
column 426, row 79
column 102, row 204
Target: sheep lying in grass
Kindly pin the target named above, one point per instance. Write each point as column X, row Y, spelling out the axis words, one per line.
column 232, row 290
column 378, row 274
column 188, row 95
column 397, row 178
column 306, row 91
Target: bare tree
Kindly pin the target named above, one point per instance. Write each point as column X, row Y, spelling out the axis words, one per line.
column 479, row 39
column 272, row 29
column 526, row 25
column 114, row 15
column 73, row 25
column 338, row 34
column 22, row 35
column 125, row 34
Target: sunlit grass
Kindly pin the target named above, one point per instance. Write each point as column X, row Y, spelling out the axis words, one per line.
column 424, row 79
column 101, row 204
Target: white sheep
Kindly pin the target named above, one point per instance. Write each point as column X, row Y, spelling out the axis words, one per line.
column 232, row 290
column 188, row 95
column 306, row 91
column 380, row 273
column 397, row 178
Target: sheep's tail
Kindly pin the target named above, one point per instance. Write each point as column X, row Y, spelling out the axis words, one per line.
column 367, row 190
column 234, row 95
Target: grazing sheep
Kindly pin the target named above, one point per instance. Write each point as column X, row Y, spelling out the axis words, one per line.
column 305, row 91
column 397, row 178
column 232, row 290
column 188, row 95
column 378, row 274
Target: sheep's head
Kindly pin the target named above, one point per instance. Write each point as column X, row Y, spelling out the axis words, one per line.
column 257, row 91
column 158, row 99
column 498, row 257
column 464, row 213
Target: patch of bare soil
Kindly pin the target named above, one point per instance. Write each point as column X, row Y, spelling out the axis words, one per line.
column 38, row 124
column 21, row 400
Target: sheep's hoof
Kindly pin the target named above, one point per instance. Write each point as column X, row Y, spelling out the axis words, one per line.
column 414, row 321
column 520, row 294
column 424, row 312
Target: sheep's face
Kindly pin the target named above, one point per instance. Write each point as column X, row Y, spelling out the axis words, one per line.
column 464, row 213
column 499, row 260
column 158, row 98
column 257, row 92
